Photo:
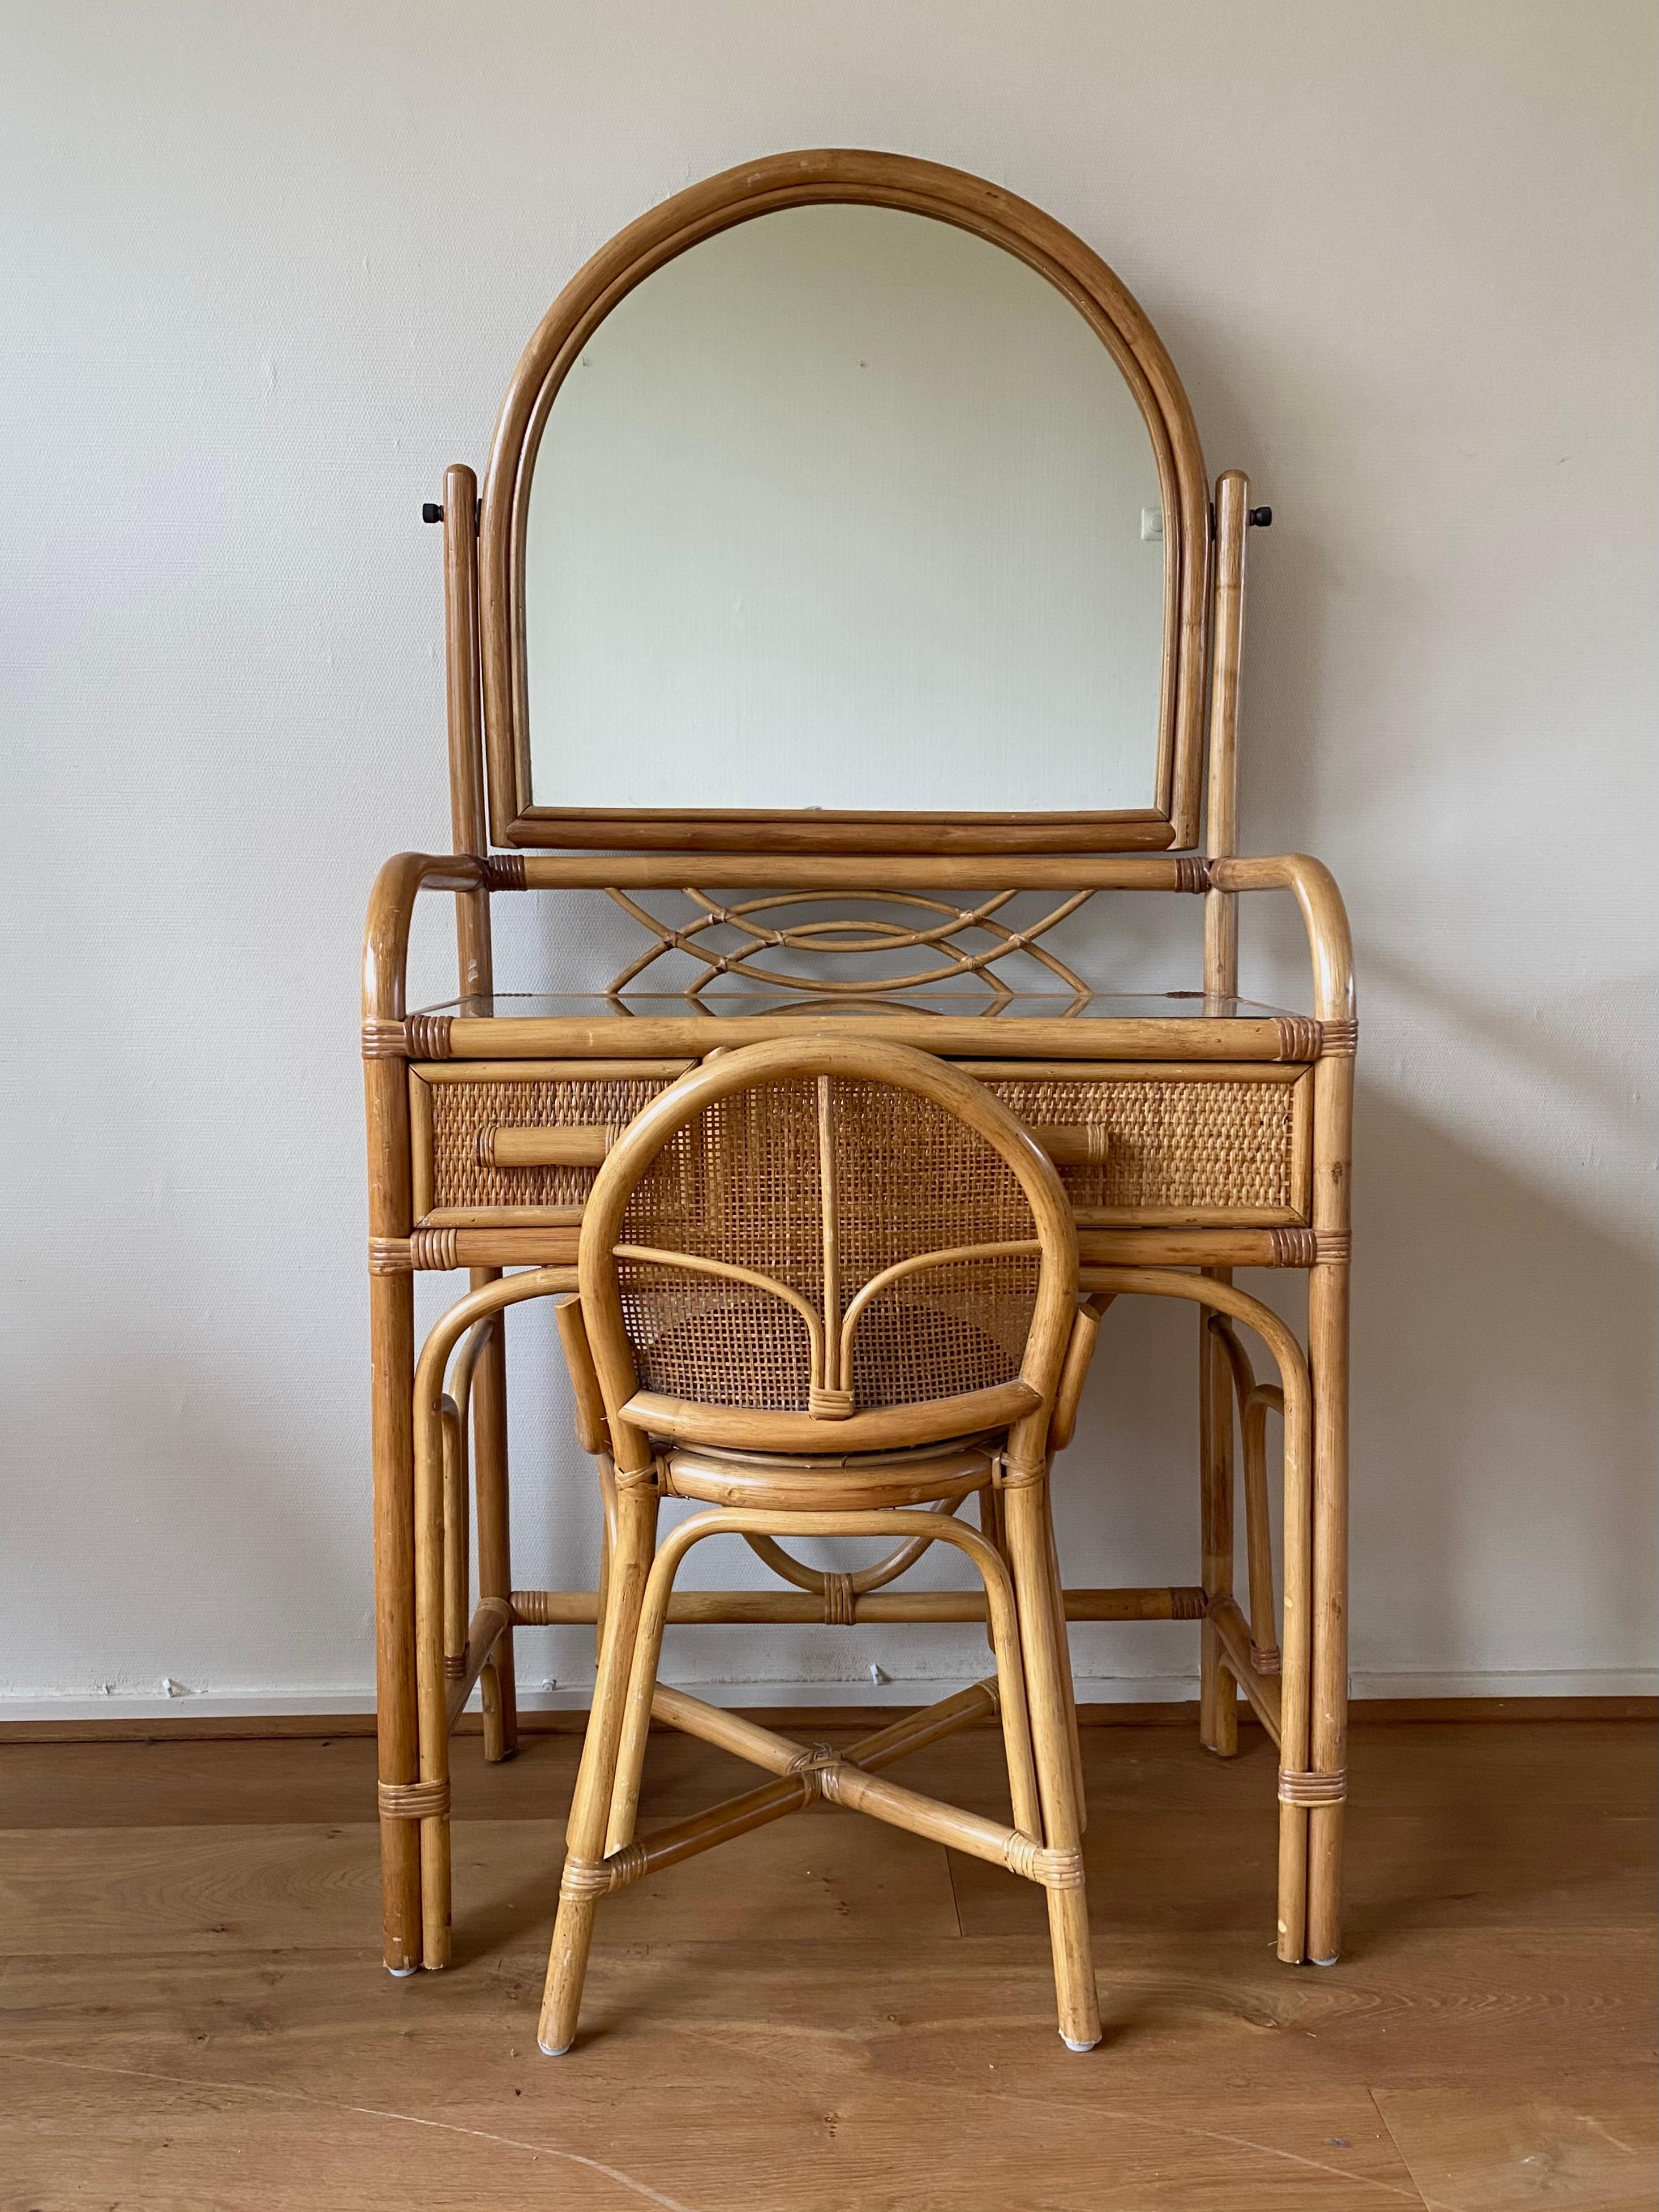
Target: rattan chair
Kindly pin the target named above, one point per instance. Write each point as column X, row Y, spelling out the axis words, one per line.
column 828, row 1288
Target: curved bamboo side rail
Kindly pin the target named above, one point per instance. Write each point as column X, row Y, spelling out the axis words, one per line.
column 1324, row 917
column 1254, row 1401
column 861, row 1581
column 432, row 1684
column 1296, row 1682
column 391, row 910
column 457, row 1418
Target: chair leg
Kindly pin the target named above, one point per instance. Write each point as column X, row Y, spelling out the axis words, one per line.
column 590, row 1810
column 1067, row 1683
column 1025, row 1511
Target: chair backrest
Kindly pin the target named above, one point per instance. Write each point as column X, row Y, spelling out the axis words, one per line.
column 823, row 1246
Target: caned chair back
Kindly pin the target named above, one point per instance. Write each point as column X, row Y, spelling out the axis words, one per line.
column 822, row 1247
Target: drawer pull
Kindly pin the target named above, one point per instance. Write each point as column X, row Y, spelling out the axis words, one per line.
column 1072, row 1143
column 1068, row 1145
column 544, row 1148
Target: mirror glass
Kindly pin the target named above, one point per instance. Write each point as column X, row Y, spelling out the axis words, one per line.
column 845, row 507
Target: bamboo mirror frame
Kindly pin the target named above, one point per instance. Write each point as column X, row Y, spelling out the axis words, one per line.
column 917, row 187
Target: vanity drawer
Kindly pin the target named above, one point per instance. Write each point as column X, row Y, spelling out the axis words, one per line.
column 499, row 1142
column 1179, row 1144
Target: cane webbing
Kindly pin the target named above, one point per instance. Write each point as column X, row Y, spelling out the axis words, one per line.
column 740, row 1183
column 1168, row 1142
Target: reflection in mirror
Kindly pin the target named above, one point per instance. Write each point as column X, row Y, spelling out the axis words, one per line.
column 845, row 507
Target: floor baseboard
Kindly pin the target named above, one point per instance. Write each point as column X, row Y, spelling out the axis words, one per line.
column 196, row 1723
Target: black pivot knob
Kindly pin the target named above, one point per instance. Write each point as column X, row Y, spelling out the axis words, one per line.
column 431, row 511
column 1261, row 518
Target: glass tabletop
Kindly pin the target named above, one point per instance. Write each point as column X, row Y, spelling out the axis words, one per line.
column 946, row 1001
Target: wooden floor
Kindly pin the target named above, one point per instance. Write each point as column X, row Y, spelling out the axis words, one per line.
column 829, row 2013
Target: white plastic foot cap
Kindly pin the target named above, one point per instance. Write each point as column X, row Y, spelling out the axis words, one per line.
column 1331, row 1961
column 1070, row 2045
column 402, row 1973
column 553, row 2050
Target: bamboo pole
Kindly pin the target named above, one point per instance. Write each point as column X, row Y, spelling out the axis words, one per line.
column 736, row 1816
column 500, row 1695
column 1218, row 1726
column 1232, row 501
column 1327, row 1350
column 819, row 871
column 1025, row 1515
column 590, row 1810
column 1295, row 1687
column 731, row 1731
column 1018, row 1037
column 1219, row 1697
column 488, row 1625
column 737, row 1608
column 391, row 1352
column 456, row 1581
column 466, row 800
column 1237, row 1637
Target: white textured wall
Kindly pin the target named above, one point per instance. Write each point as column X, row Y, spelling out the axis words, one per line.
column 267, row 269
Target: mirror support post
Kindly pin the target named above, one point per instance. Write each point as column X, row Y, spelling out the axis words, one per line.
column 1232, row 501
column 1219, row 1694
column 465, row 754
column 488, row 1456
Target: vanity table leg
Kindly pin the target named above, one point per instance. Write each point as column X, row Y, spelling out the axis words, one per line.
column 497, row 1686
column 1218, row 1710
column 391, row 1336
column 1327, row 1343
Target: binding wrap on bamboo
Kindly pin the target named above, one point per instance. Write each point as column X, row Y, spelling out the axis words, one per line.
column 504, row 872
column 597, row 1877
column 434, row 1249
column 817, row 1759
column 1341, row 1037
column 1312, row 1789
column 413, row 1800
column 1300, row 1037
column 427, row 1036
column 840, row 1600
column 1054, row 1870
column 384, row 1039
column 389, row 1255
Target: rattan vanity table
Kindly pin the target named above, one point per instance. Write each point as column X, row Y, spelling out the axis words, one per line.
column 1196, row 1133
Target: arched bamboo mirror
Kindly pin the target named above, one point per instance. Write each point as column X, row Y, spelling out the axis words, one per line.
column 846, row 503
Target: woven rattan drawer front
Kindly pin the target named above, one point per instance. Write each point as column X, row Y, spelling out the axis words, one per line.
column 1184, row 1145
column 457, row 1108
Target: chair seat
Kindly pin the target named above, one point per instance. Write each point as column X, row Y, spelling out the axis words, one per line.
column 839, row 1482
